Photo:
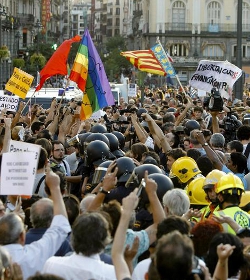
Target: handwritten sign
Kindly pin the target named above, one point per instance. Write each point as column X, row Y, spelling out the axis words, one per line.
column 18, row 172
column 218, row 74
column 9, row 103
column 19, row 83
column 18, row 146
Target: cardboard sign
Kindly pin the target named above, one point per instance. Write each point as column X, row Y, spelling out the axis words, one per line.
column 19, row 83
column 10, row 103
column 215, row 74
column 18, row 172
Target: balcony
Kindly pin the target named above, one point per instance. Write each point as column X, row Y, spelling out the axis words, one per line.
column 183, row 27
column 26, row 19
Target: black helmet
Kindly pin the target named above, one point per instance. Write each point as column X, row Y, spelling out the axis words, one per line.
column 164, row 184
column 100, row 172
column 171, row 110
column 125, row 167
column 113, row 141
column 97, row 152
column 139, row 172
column 246, row 119
column 98, row 128
column 82, row 137
column 120, row 137
column 97, row 136
column 141, row 111
column 118, row 153
column 191, row 125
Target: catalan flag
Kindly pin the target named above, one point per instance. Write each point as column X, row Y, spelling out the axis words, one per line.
column 145, row 60
column 164, row 59
column 89, row 74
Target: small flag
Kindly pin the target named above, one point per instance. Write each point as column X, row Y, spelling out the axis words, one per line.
column 57, row 64
column 163, row 59
column 89, row 74
column 145, row 60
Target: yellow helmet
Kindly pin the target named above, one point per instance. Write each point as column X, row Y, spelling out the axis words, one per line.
column 212, row 179
column 184, row 168
column 230, row 182
column 195, row 192
column 245, row 201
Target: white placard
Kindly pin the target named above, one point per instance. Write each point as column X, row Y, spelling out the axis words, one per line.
column 10, row 103
column 18, row 172
column 218, row 74
column 132, row 90
column 97, row 115
column 18, row 146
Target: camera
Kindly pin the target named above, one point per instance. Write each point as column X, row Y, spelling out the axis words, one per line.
column 196, row 270
column 215, row 102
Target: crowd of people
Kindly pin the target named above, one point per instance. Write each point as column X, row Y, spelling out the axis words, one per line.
column 157, row 188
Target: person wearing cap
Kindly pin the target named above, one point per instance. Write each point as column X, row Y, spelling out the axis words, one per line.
column 229, row 190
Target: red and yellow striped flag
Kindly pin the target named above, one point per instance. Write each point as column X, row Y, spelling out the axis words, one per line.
column 145, row 61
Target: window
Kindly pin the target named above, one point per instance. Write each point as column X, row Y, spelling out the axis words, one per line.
column 109, row 22
column 117, row 2
column 117, row 31
column 178, row 15
column 245, row 16
column 178, row 50
column 117, row 11
column 213, row 51
column 214, row 13
column 245, row 51
column 117, row 22
column 81, row 24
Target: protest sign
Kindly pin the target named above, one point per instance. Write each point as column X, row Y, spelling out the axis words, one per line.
column 19, row 83
column 18, row 168
column 18, row 146
column 10, row 103
column 218, row 74
column 18, row 172
column 132, row 90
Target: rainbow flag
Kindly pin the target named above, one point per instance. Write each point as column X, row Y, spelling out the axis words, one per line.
column 89, row 74
column 145, row 60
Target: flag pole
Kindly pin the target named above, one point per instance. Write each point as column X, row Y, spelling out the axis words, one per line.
column 177, row 77
column 28, row 101
column 63, row 95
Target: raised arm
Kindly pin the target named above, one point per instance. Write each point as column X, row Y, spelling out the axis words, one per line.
column 184, row 112
column 7, row 135
column 157, row 133
column 221, row 270
column 108, row 183
column 140, row 131
column 18, row 114
column 211, row 154
column 129, row 203
column 52, row 181
column 155, row 206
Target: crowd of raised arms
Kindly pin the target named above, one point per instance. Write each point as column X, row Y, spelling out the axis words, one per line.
column 157, row 188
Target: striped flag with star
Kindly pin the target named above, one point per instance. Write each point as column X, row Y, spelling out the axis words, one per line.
column 146, row 61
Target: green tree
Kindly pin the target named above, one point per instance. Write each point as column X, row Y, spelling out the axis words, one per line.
column 114, row 63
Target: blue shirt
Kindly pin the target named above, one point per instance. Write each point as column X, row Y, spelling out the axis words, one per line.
column 240, row 175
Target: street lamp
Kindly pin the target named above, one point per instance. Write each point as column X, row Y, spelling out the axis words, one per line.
column 38, row 26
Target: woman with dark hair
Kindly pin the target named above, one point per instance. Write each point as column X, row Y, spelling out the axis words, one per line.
column 137, row 151
column 235, row 260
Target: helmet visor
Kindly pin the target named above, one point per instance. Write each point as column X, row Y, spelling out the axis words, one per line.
column 98, row 175
column 133, row 181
